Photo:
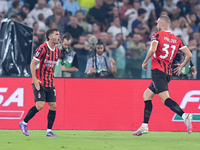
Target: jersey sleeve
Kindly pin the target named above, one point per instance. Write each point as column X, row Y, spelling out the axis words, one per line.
column 39, row 53
column 181, row 44
column 155, row 37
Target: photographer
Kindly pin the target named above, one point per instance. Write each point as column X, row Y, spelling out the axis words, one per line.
column 68, row 62
column 99, row 65
column 188, row 72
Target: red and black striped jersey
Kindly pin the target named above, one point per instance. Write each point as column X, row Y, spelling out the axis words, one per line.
column 168, row 45
column 47, row 58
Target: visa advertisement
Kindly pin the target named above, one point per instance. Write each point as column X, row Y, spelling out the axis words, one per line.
column 99, row 104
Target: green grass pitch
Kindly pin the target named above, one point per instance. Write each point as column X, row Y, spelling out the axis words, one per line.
column 98, row 140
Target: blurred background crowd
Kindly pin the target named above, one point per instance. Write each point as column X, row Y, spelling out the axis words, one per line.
column 124, row 26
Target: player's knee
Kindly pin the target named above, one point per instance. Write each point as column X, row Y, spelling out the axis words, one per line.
column 146, row 96
column 52, row 106
column 39, row 105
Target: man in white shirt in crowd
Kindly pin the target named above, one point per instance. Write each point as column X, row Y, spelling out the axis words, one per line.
column 40, row 8
column 117, row 28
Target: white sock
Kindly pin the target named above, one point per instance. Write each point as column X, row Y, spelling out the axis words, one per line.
column 24, row 122
column 183, row 116
column 144, row 124
column 48, row 130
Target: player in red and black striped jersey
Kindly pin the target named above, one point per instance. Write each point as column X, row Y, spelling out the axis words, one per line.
column 42, row 70
column 164, row 47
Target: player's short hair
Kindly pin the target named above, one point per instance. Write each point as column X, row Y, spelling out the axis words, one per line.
column 49, row 32
column 67, row 36
column 165, row 19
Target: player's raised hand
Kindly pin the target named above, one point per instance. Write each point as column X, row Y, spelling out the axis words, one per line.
column 178, row 69
column 144, row 66
column 37, row 83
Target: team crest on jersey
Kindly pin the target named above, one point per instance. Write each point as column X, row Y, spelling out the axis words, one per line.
column 37, row 54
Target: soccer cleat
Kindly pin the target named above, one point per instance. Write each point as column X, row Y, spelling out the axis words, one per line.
column 141, row 130
column 24, row 128
column 188, row 123
column 50, row 134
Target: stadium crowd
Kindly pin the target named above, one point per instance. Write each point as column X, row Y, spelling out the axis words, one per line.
column 124, row 26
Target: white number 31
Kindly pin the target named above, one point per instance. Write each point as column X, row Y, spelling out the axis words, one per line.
column 166, row 46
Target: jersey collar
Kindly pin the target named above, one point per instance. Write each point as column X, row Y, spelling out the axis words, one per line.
column 167, row 30
column 50, row 47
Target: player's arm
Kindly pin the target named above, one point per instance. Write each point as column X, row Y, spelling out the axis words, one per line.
column 188, row 57
column 152, row 50
column 33, row 64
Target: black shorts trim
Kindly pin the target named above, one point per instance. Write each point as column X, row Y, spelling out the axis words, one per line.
column 47, row 94
column 160, row 81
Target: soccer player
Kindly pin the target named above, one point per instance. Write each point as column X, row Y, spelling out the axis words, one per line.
column 164, row 47
column 42, row 70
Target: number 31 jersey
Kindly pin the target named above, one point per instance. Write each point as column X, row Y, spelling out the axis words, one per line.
column 168, row 45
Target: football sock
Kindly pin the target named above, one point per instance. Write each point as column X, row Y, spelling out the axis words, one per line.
column 30, row 114
column 174, row 106
column 147, row 111
column 48, row 130
column 51, row 117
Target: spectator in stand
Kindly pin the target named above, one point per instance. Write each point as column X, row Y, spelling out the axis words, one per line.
column 4, row 6
column 28, row 20
column 110, row 39
column 9, row 3
column 72, row 6
column 193, row 45
column 135, row 53
column 183, row 8
column 104, row 40
column 196, row 35
column 82, row 52
column 21, row 16
column 97, row 13
column 108, row 7
column 197, row 11
column 31, row 3
column 171, row 9
column 81, row 22
column 119, row 55
column 38, row 36
column 124, row 8
column 53, row 24
column 74, row 29
column 117, row 28
column 60, row 20
column 150, row 9
column 53, row 3
column 139, row 25
column 96, row 30
column 193, row 22
column 185, row 29
column 40, row 8
column 14, row 10
column 41, row 23
column 158, row 4
column 85, row 5
column 175, row 29
column 115, row 13
column 132, row 14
